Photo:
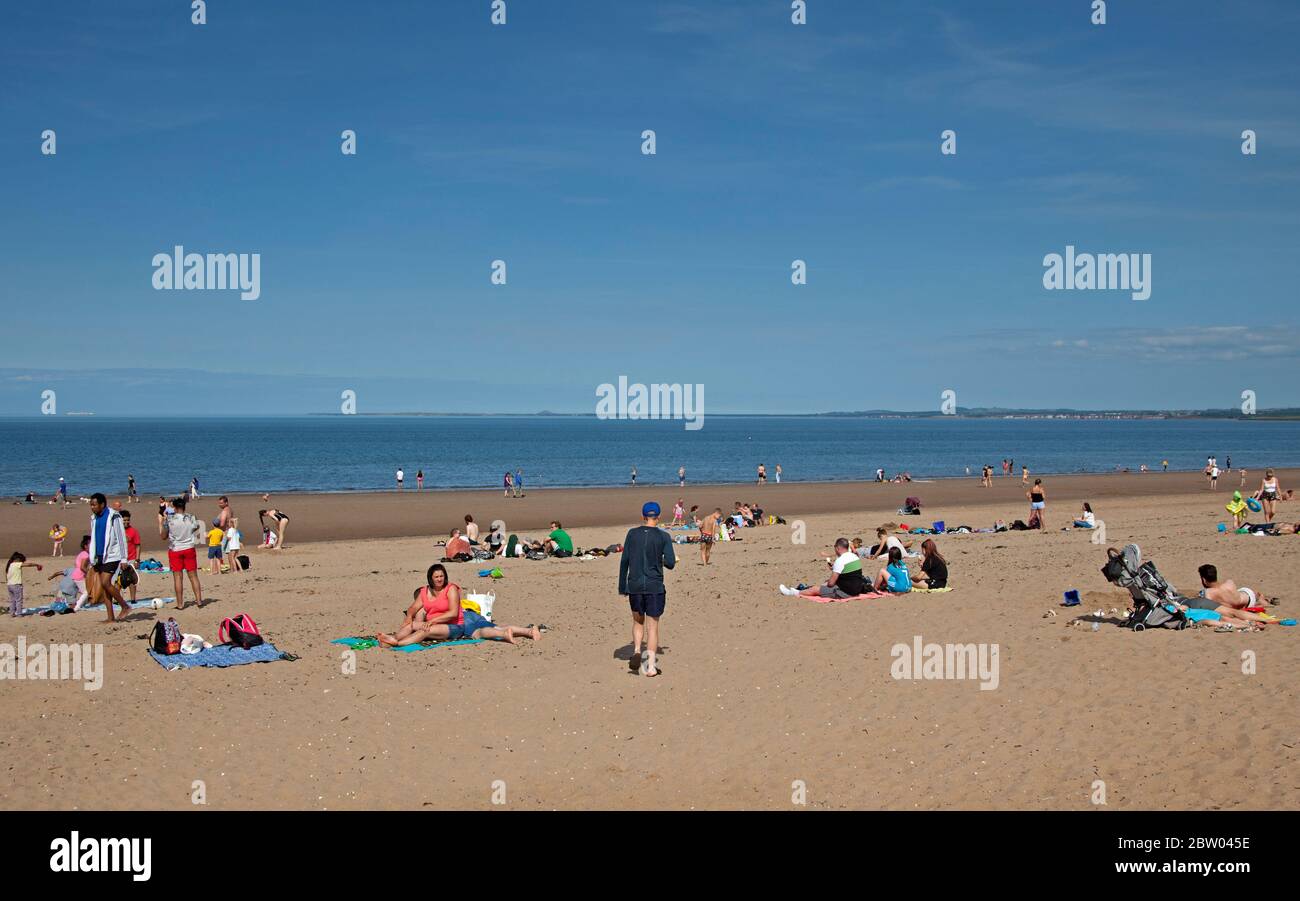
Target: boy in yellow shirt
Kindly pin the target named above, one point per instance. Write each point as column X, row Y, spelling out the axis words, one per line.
column 215, row 534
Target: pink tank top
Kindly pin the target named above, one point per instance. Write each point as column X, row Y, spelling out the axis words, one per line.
column 436, row 605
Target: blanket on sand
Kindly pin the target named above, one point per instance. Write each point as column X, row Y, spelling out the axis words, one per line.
column 371, row 642
column 219, row 656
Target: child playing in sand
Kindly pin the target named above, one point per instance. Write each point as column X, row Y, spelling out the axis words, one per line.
column 436, row 615
column 68, row 589
column 679, row 512
column 57, row 534
column 14, row 580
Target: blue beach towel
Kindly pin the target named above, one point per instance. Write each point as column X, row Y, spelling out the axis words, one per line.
column 134, row 605
column 219, row 656
column 406, row 648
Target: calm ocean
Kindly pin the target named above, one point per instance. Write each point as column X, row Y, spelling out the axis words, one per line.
column 343, row 453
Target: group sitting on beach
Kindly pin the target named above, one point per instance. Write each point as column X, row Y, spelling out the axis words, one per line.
column 849, row 578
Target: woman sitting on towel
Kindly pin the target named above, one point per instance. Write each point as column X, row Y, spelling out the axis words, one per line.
column 894, row 578
column 934, row 568
column 436, row 615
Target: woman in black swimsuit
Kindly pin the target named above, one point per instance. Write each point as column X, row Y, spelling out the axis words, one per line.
column 280, row 520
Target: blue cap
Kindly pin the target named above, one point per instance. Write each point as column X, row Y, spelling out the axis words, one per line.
column 649, row 509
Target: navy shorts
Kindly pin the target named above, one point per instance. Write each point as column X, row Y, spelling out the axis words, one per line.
column 648, row 604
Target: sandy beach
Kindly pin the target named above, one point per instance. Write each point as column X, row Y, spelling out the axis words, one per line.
column 758, row 690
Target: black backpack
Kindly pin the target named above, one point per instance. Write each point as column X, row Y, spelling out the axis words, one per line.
column 166, row 637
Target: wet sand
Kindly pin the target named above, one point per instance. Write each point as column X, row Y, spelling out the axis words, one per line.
column 392, row 514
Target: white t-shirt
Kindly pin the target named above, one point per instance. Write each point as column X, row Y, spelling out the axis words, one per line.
column 232, row 538
column 1089, row 518
column 182, row 531
column 399, row 475
column 891, row 541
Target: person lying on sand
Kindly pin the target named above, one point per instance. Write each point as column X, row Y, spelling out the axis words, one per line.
column 847, row 579
column 436, row 615
column 1226, row 592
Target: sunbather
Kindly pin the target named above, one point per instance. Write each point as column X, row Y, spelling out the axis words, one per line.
column 1227, row 593
column 436, row 615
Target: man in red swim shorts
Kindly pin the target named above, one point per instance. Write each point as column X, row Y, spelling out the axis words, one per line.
column 182, row 531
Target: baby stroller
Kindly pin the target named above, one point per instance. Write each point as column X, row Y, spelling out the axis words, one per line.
column 911, row 507
column 1151, row 592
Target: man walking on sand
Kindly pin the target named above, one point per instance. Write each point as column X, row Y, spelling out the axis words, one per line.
column 647, row 552
column 107, row 553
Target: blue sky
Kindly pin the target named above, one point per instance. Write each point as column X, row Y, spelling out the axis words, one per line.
column 522, row 142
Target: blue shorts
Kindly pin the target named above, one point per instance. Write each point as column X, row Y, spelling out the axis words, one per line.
column 648, row 604
column 473, row 622
column 214, row 553
column 1038, row 505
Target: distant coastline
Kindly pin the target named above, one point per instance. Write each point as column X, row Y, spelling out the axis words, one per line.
column 1284, row 413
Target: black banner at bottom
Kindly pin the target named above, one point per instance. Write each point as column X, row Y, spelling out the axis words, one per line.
column 168, row 850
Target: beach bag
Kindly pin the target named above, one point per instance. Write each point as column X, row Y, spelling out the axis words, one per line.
column 166, row 637
column 479, row 603
column 244, row 561
column 483, row 554
column 126, row 576
column 240, row 631
column 535, row 555
column 614, row 549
